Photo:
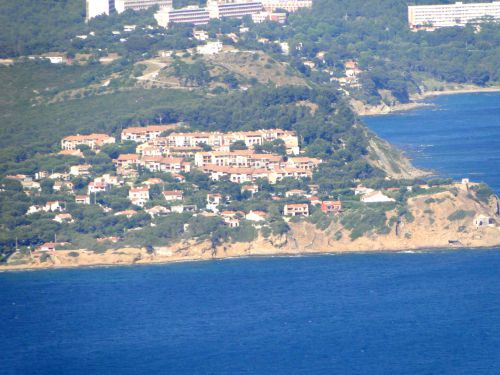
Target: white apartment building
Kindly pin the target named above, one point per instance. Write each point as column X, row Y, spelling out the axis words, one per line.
column 123, row 5
column 190, row 14
column 430, row 17
column 142, row 134
column 288, row 5
column 233, row 9
column 94, row 141
column 215, row 9
column 218, row 139
column 94, row 8
column 240, row 158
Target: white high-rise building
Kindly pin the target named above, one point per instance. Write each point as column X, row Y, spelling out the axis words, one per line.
column 94, row 8
column 190, row 14
column 430, row 17
column 288, row 5
column 123, row 5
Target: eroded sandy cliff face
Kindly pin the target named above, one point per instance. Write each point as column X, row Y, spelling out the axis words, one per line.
column 442, row 220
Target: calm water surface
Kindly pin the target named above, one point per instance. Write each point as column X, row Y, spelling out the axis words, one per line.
column 459, row 136
column 423, row 313
column 399, row 313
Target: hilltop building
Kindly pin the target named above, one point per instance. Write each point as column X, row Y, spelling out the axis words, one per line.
column 232, row 9
column 94, row 8
column 123, row 5
column 215, row 9
column 288, row 5
column 267, row 16
column 431, row 17
column 190, row 14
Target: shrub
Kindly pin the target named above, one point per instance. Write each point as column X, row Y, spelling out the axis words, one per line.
column 460, row 215
column 266, row 232
column 364, row 219
column 244, row 233
column 279, row 227
column 483, row 192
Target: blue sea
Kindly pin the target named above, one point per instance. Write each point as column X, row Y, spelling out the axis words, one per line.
column 458, row 136
column 432, row 312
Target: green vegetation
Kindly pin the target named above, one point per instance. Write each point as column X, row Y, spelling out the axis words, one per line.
column 392, row 57
column 194, row 74
column 364, row 219
column 31, row 124
column 321, row 220
column 460, row 215
column 40, row 103
column 332, row 131
column 483, row 192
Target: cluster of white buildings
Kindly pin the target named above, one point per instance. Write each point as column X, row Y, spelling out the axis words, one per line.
column 215, row 9
column 431, row 17
column 217, row 140
column 270, row 170
column 94, row 141
column 94, row 8
column 259, row 11
column 161, row 149
column 178, row 152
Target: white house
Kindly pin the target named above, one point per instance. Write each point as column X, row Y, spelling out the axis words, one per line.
column 173, row 195
column 211, row 48
column 200, row 35
column 256, row 216
column 63, row 218
column 482, row 221
column 139, row 196
column 213, row 201
column 376, row 197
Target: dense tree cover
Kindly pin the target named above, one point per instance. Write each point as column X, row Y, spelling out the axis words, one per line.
column 195, row 74
column 32, row 124
column 331, row 131
column 378, row 36
column 36, row 27
column 39, row 26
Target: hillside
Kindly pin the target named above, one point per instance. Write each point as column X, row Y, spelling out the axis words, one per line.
column 228, row 70
column 443, row 220
column 284, row 98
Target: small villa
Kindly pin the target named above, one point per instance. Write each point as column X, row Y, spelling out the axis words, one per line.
column 296, row 209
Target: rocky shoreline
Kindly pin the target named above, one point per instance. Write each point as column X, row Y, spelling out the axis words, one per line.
column 416, row 101
column 430, row 229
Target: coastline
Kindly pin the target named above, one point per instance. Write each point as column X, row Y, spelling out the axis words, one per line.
column 430, row 227
column 470, row 90
column 416, row 100
column 247, row 256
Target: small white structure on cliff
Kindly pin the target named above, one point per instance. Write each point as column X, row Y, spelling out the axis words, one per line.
column 376, row 197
